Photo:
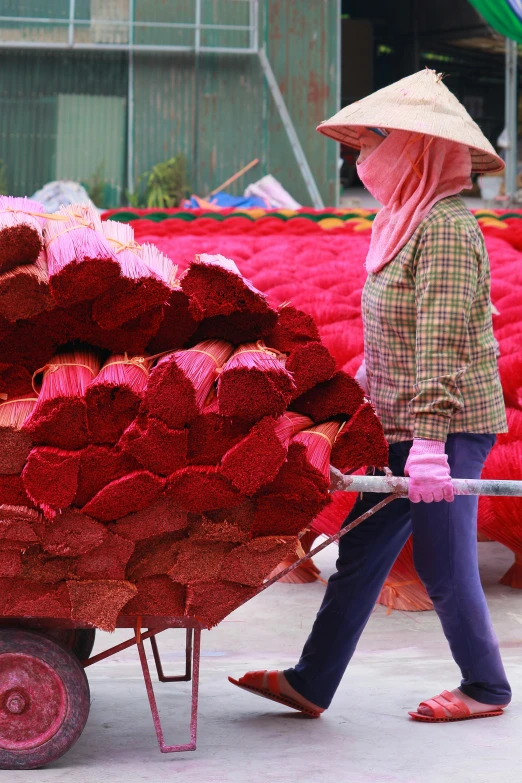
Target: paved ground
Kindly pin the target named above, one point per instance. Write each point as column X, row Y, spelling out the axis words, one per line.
column 357, row 196
column 364, row 738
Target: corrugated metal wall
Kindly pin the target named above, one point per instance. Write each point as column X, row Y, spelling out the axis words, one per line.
column 216, row 109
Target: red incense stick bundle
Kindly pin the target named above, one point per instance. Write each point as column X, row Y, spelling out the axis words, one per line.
column 210, row 602
column 21, row 231
column 216, row 287
column 154, row 556
column 360, row 442
column 254, row 383
column 40, row 567
column 162, row 516
column 99, row 465
column 59, row 418
column 12, row 491
column 255, row 460
column 15, row 381
column 254, row 561
column 200, row 488
column 15, row 445
column 157, row 596
column 24, row 290
column 293, row 328
column 24, row 597
column 310, row 364
column 180, row 383
column 178, row 323
column 70, row 534
column 98, row 602
column 318, row 442
column 124, row 495
column 212, row 435
column 137, row 289
column 107, row 561
column 199, row 560
column 51, row 478
column 156, row 447
column 16, row 525
column 114, row 396
column 130, row 338
column 81, row 262
column 341, row 395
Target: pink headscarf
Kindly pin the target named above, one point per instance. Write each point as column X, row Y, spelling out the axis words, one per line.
column 408, row 173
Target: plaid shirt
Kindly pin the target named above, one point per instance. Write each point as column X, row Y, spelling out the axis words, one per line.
column 428, row 343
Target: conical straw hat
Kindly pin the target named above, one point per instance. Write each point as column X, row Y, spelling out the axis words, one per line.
column 420, row 103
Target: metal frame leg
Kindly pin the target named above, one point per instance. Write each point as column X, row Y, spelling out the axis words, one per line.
column 188, row 660
column 195, row 692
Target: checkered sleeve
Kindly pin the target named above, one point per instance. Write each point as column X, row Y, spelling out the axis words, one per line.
column 446, row 272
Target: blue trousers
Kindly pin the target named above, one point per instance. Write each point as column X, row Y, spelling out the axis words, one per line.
column 445, row 554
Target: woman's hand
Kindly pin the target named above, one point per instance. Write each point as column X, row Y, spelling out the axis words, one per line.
column 429, row 472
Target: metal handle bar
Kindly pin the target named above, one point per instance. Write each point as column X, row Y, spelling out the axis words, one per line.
column 397, row 485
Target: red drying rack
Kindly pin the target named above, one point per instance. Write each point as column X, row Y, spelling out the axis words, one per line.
column 44, row 693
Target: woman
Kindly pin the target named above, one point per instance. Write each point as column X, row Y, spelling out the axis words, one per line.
column 433, row 378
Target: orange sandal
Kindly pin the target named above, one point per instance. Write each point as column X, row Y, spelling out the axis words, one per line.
column 448, row 702
column 253, row 682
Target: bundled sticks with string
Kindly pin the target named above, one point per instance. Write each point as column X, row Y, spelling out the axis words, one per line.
column 21, row 231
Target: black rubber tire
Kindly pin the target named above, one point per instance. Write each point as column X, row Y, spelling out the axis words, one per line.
column 83, row 642
column 38, row 673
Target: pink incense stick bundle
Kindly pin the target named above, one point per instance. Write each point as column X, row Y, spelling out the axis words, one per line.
column 180, row 383
column 162, row 516
column 199, row 560
column 81, row 263
column 138, row 288
column 255, row 460
column 253, row 562
column 99, row 465
column 156, row 447
column 210, row 601
column 216, row 287
column 293, row 328
column 124, row 495
column 178, row 323
column 158, row 596
column 21, row 231
column 319, row 441
column 340, row 396
column 199, row 489
column 360, row 442
column 289, row 424
column 59, row 418
column 212, row 435
column 15, row 445
column 70, row 534
column 254, row 383
column 24, row 290
column 51, row 478
column 114, row 396
column 15, row 381
column 310, row 364
column 98, row 602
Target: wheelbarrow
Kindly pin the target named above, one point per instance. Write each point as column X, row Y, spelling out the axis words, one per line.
column 44, row 692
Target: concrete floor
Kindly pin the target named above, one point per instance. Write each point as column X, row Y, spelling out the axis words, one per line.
column 358, row 197
column 365, row 737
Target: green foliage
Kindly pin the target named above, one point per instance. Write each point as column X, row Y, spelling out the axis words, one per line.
column 167, row 183
column 96, row 186
column 4, row 184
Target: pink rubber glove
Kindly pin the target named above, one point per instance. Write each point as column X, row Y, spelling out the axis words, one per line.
column 428, row 469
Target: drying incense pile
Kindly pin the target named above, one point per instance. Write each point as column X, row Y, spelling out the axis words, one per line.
column 139, row 484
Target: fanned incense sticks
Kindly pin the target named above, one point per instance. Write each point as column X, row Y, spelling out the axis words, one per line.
column 114, row 396
column 180, row 382
column 15, row 445
column 254, row 383
column 24, row 290
column 136, row 290
column 59, row 417
column 21, row 231
column 81, row 262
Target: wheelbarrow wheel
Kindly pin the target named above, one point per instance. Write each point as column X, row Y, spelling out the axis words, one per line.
column 83, row 642
column 44, row 699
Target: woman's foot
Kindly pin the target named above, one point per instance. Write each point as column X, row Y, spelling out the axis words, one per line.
column 287, row 690
column 475, row 707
